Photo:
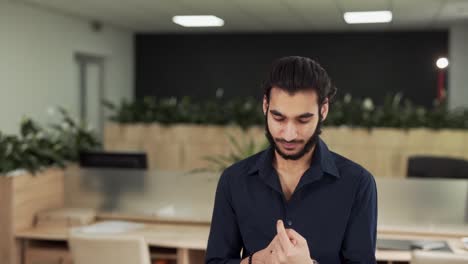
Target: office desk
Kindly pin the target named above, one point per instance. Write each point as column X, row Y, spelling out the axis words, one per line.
column 391, row 256
column 183, row 243
column 186, row 243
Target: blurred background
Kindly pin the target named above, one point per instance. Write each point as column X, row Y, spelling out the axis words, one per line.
column 119, row 116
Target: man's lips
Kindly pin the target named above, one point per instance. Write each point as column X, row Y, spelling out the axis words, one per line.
column 289, row 145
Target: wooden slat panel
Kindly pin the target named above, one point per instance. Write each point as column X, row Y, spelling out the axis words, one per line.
column 6, row 229
column 383, row 151
column 36, row 193
column 21, row 197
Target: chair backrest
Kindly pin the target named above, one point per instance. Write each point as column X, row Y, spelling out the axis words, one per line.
column 434, row 257
column 108, row 249
column 437, row 167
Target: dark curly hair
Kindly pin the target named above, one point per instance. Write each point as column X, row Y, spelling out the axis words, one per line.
column 295, row 73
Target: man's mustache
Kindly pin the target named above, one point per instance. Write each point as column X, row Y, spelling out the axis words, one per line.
column 292, row 141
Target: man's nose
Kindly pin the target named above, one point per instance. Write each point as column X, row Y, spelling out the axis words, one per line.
column 290, row 132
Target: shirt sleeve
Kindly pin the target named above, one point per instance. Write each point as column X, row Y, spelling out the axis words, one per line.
column 360, row 237
column 224, row 242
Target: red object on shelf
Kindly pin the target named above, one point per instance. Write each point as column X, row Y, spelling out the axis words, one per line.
column 441, row 85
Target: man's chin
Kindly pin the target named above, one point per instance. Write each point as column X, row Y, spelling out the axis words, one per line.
column 288, row 154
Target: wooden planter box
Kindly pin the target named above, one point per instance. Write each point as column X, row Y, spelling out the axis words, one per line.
column 383, row 151
column 177, row 147
column 21, row 197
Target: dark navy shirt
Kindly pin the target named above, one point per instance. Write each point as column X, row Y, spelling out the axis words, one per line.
column 334, row 207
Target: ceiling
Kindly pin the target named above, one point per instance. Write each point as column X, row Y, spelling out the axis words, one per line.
column 261, row 15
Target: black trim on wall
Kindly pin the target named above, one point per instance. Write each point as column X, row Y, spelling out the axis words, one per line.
column 365, row 64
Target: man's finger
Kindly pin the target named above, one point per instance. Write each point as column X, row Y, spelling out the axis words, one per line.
column 283, row 236
column 293, row 240
column 295, row 236
column 278, row 253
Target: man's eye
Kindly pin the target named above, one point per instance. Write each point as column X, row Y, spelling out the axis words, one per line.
column 303, row 121
column 279, row 119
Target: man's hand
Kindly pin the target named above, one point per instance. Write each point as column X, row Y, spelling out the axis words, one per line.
column 289, row 247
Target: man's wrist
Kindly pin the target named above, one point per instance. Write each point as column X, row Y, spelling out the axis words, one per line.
column 254, row 258
column 250, row 257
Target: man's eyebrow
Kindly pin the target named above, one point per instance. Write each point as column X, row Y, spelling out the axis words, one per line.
column 306, row 115
column 275, row 112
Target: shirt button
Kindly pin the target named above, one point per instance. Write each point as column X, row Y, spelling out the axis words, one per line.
column 289, row 222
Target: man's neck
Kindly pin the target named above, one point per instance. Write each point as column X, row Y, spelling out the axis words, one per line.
column 291, row 171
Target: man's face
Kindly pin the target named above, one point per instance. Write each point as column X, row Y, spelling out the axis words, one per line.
column 292, row 121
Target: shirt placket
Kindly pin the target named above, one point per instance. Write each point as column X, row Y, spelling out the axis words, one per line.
column 287, row 209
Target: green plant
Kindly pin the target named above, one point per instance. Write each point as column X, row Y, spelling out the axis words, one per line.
column 396, row 111
column 36, row 147
column 218, row 163
column 243, row 112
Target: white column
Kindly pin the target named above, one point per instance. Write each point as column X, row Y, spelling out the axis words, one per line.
column 458, row 67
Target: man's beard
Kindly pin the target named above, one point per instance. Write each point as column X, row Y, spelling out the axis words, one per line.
column 310, row 143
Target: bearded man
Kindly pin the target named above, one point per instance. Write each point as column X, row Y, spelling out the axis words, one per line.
column 296, row 202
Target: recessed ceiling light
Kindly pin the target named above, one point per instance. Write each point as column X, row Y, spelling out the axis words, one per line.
column 198, row 21
column 368, row 17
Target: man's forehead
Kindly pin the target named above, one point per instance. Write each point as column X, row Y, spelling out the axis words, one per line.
column 304, row 101
column 280, row 92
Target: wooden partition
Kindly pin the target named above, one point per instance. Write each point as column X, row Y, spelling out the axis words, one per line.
column 382, row 151
column 21, row 197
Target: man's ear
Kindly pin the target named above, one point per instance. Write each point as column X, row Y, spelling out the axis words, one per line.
column 265, row 105
column 324, row 109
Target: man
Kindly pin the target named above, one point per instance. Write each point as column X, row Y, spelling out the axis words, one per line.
column 296, row 202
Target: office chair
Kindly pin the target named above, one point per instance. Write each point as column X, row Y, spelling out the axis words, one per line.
column 437, row 167
column 108, row 249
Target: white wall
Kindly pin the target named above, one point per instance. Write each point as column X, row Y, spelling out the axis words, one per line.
column 458, row 68
column 37, row 66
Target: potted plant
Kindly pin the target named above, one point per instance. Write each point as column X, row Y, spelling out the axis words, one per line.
column 32, row 173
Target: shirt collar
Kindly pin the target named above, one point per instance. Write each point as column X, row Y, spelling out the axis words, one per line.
column 322, row 163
